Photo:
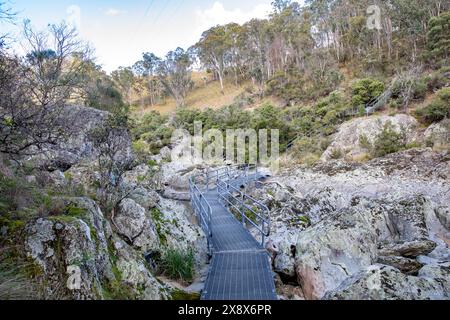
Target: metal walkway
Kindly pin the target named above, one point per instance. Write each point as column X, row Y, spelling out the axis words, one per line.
column 240, row 267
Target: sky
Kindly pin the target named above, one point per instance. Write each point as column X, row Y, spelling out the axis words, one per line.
column 120, row 31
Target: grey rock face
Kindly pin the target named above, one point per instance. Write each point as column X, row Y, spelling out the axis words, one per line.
column 343, row 218
column 78, row 146
column 130, row 219
column 348, row 138
column 379, row 282
column 75, row 256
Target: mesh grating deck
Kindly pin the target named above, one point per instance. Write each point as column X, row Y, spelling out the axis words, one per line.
column 240, row 268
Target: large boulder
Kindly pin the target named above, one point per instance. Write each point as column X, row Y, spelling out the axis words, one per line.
column 72, row 251
column 438, row 134
column 347, row 140
column 80, row 257
column 333, row 250
column 130, row 219
column 379, row 282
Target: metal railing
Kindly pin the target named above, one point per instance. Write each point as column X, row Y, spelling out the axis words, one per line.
column 201, row 206
column 249, row 210
column 227, row 180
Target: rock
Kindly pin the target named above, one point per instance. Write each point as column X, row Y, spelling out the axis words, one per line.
column 348, row 138
column 405, row 265
column 82, row 258
column 380, row 282
column 148, row 199
column 73, row 261
column 131, row 221
column 135, row 275
column 439, row 273
column 443, row 214
column 177, row 228
column 391, row 210
column 78, row 145
column 333, row 250
column 438, row 134
column 411, row 249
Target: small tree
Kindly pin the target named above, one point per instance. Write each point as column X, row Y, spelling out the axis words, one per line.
column 109, row 140
column 439, row 38
column 389, row 141
column 34, row 90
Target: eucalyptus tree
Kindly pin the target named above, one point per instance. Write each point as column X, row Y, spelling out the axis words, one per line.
column 147, row 69
column 175, row 74
column 213, row 50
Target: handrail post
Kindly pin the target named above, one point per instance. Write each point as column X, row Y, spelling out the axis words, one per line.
column 242, row 208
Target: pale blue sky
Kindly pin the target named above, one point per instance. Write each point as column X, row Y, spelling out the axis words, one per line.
column 121, row 30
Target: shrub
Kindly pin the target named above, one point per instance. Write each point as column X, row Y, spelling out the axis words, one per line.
column 364, row 142
column 389, row 141
column 420, row 90
column 438, row 109
column 365, row 90
column 178, row 265
column 438, row 79
column 337, row 154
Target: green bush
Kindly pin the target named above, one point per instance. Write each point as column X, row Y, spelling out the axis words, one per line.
column 178, row 265
column 337, row 154
column 438, row 109
column 365, row 90
column 389, row 141
column 420, row 90
column 438, row 80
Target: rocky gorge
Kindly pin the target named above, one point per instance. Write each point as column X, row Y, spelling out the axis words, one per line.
column 340, row 229
column 373, row 230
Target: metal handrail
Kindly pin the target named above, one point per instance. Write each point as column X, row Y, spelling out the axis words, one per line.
column 222, row 180
column 244, row 203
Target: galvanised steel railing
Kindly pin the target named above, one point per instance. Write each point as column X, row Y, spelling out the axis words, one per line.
column 249, row 210
column 227, row 180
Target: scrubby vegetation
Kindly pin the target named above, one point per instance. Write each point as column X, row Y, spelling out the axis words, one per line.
column 178, row 265
column 438, row 109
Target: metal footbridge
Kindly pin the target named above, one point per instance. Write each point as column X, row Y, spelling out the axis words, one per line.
column 240, row 268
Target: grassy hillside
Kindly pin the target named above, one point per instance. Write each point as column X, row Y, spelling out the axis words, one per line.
column 206, row 94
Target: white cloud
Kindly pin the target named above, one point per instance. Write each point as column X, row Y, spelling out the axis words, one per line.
column 217, row 14
column 112, row 12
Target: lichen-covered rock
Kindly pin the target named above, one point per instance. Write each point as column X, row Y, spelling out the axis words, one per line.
column 411, row 249
column 82, row 258
column 443, row 214
column 400, row 200
column 405, row 265
column 78, row 145
column 380, row 282
column 177, row 228
column 72, row 262
column 347, row 140
column 148, row 199
column 333, row 250
column 438, row 134
column 135, row 274
column 130, row 219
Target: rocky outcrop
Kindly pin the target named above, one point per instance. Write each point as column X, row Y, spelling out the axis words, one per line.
column 347, row 140
column 72, row 252
column 77, row 145
column 85, row 255
column 438, row 134
column 379, row 282
column 332, row 222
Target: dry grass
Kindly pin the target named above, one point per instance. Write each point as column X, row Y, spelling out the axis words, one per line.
column 202, row 97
